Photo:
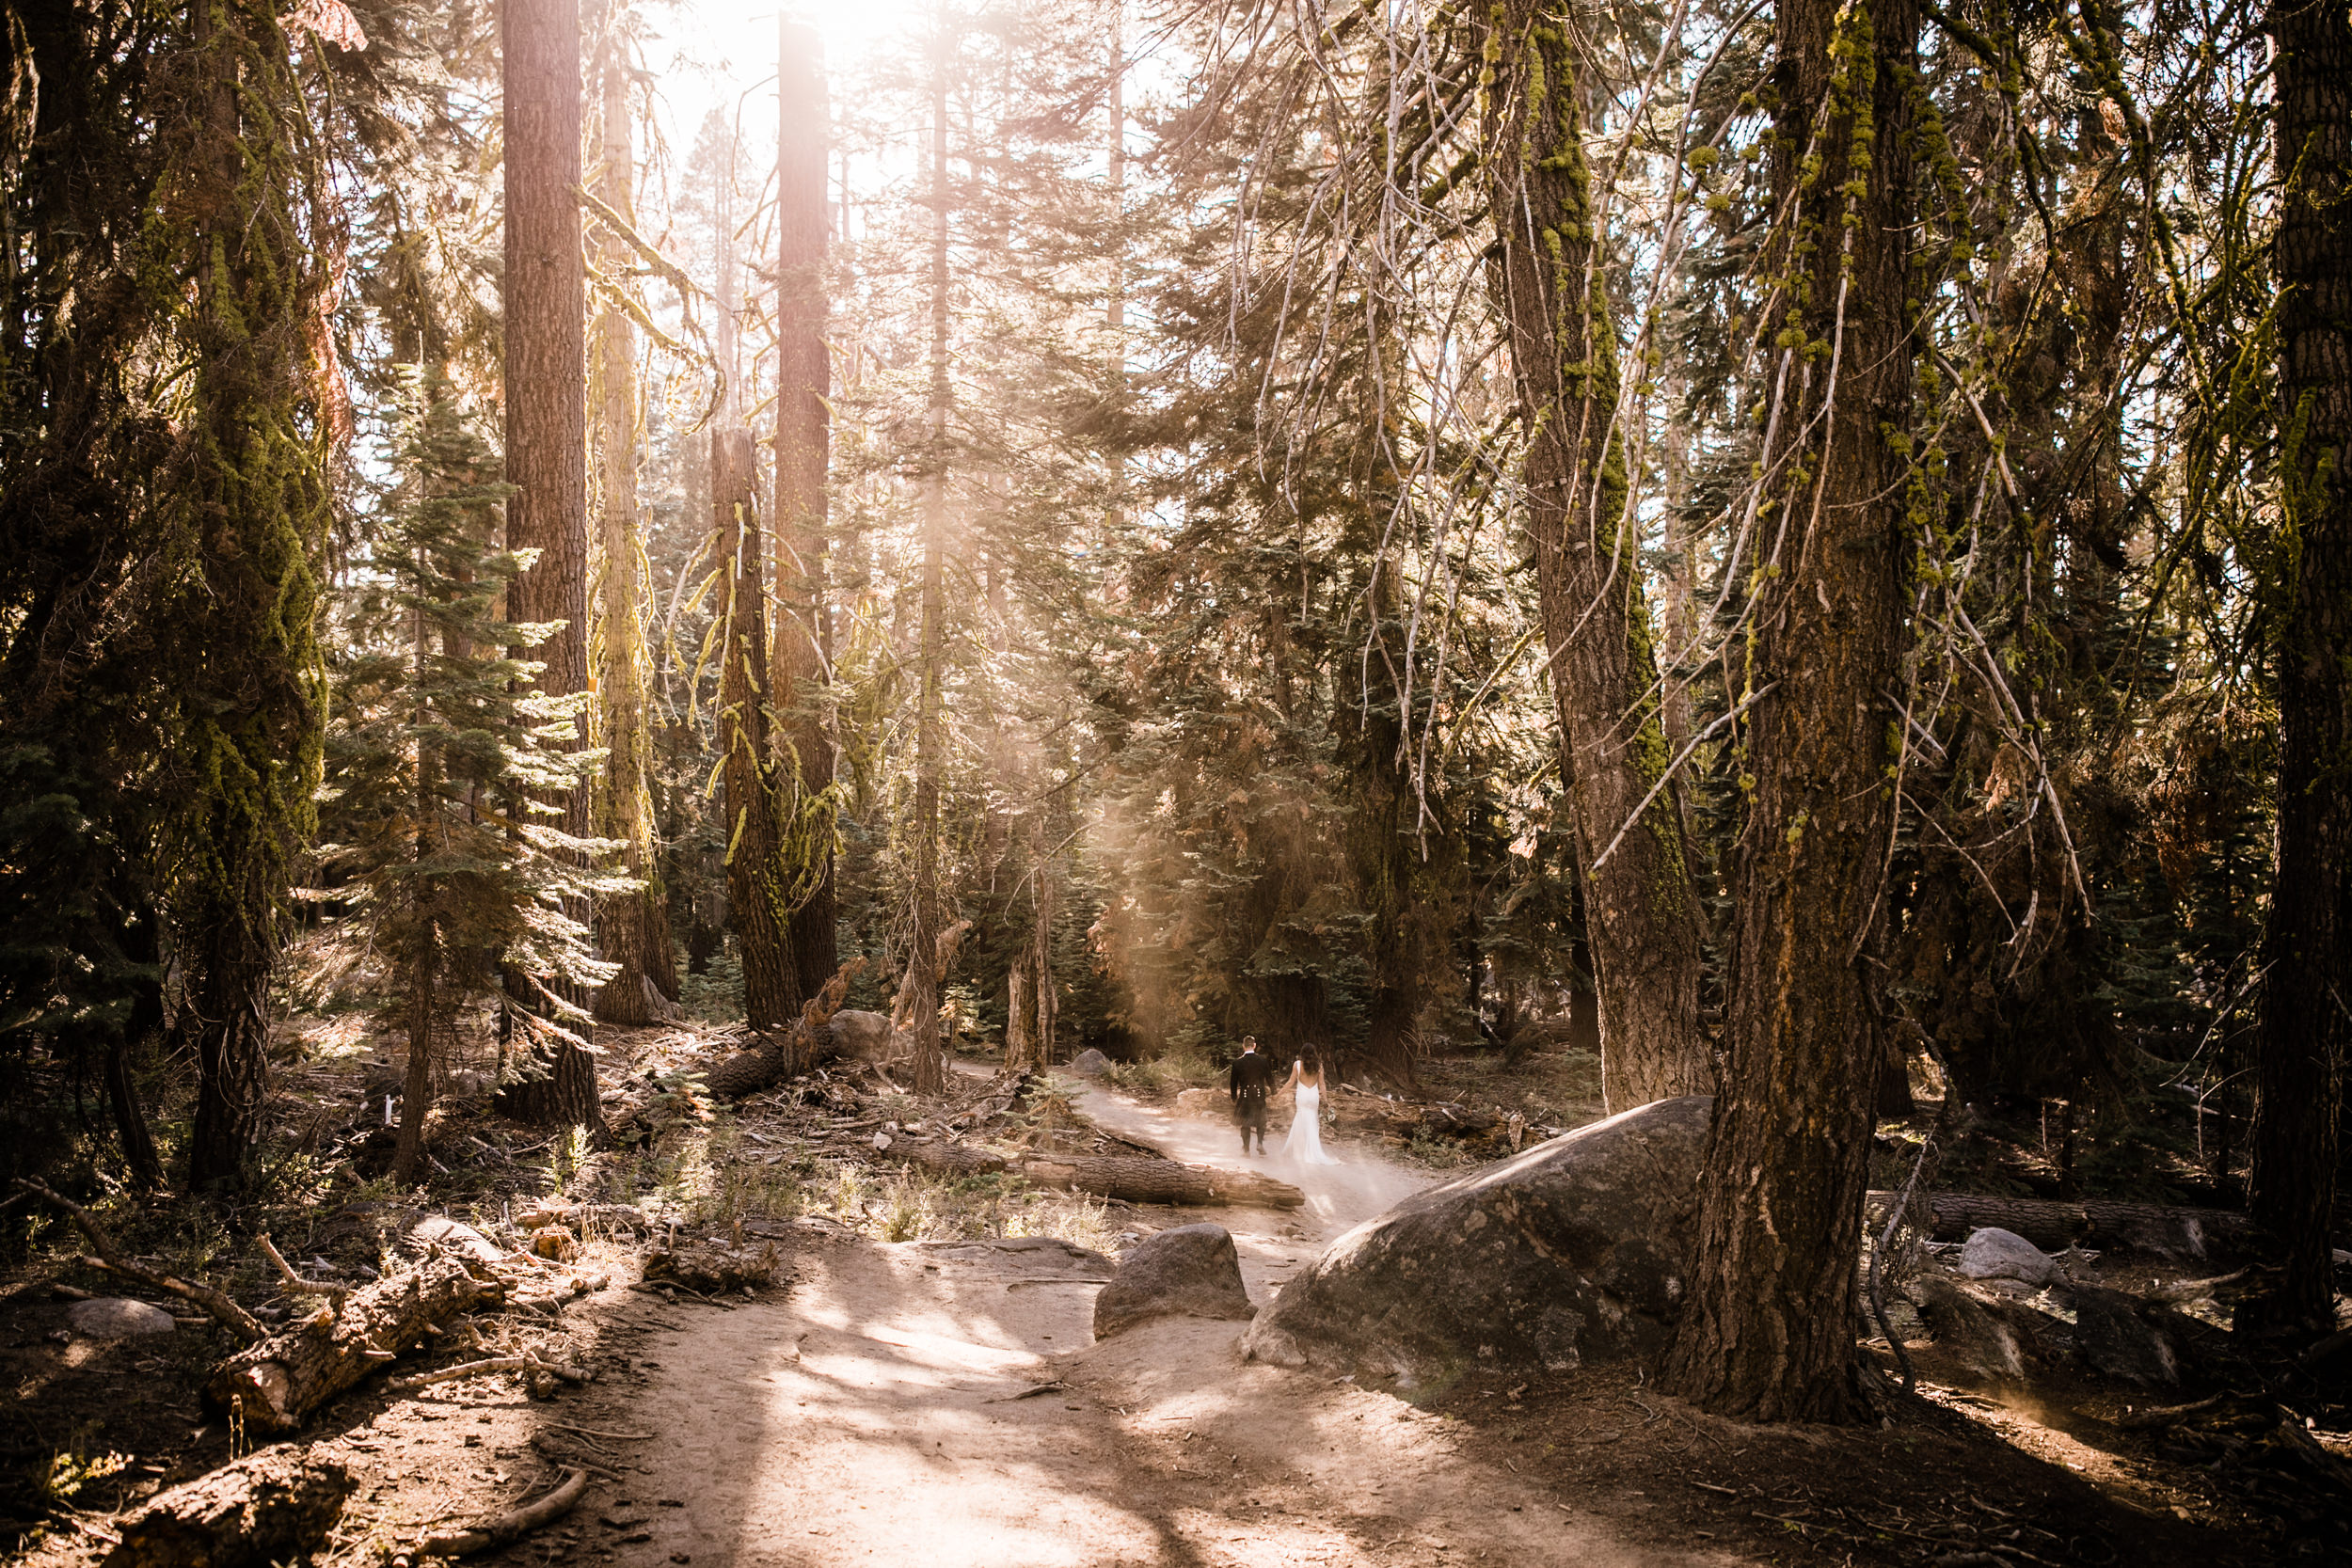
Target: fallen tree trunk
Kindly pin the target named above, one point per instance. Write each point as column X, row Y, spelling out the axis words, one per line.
column 1354, row 1111
column 275, row 1506
column 786, row 1050
column 286, row 1376
column 1141, row 1181
column 2053, row 1227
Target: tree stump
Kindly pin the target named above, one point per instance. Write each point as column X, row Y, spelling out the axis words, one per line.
column 288, row 1375
column 274, row 1506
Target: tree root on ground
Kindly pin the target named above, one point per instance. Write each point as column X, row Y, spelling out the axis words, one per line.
column 511, row 1526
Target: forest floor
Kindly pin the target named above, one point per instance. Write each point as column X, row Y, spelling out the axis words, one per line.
column 923, row 1390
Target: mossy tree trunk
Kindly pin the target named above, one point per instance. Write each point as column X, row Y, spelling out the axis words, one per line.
column 251, row 482
column 1769, row 1332
column 631, row 925
column 756, row 907
column 1642, row 917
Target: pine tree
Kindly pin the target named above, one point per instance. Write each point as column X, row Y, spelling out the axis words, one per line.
column 443, row 756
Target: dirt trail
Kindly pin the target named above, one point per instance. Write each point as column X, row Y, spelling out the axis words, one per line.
column 1272, row 1245
column 887, row 1410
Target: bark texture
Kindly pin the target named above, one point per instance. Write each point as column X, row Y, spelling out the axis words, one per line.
column 547, row 424
column 2307, row 949
column 1770, row 1334
column 2194, row 1234
column 1641, row 913
column 780, row 1055
column 285, row 1377
column 803, row 642
column 629, row 925
column 757, row 905
column 275, row 1506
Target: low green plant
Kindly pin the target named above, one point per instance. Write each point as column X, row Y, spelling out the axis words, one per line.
column 62, row 1478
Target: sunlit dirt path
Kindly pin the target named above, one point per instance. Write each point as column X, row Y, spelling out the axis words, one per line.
column 893, row 1408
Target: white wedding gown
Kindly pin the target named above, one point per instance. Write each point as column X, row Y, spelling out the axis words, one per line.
column 1304, row 1146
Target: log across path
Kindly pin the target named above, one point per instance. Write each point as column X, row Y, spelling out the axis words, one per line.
column 1339, row 1197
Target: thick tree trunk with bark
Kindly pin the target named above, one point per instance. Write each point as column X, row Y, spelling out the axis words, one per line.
column 225, row 1016
column 756, row 902
column 547, row 425
column 288, row 1375
column 2307, row 950
column 1770, row 1330
column 629, row 926
column 1642, row 914
column 416, row 1100
column 254, row 508
column 803, row 644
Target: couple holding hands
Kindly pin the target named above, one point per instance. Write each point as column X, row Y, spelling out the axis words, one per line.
column 1251, row 1084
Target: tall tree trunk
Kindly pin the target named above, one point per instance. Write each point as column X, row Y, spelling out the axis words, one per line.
column 803, row 644
column 2307, row 949
column 416, row 1093
column 757, row 902
column 1769, row 1332
column 547, row 426
column 920, row 1003
column 144, row 1023
column 631, row 925
column 1547, row 281
column 252, row 484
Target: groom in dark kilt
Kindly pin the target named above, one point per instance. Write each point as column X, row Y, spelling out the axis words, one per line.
column 1252, row 1083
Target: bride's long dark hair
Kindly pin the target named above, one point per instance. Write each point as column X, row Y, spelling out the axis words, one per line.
column 1311, row 1066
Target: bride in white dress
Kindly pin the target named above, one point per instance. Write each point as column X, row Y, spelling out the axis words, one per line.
column 1305, row 1145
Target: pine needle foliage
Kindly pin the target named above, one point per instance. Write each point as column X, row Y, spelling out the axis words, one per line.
column 442, row 758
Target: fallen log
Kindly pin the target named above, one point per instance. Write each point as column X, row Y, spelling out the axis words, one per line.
column 286, row 1376
column 2054, row 1225
column 511, row 1526
column 785, row 1052
column 274, row 1506
column 1134, row 1180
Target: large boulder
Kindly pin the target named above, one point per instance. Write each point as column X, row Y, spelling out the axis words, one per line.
column 860, row 1036
column 1572, row 1254
column 1089, row 1063
column 1191, row 1271
column 1993, row 1253
column 117, row 1318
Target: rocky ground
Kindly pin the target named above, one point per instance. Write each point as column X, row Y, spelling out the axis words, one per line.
column 917, row 1381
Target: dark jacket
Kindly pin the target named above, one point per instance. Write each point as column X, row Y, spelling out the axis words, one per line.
column 1252, row 1078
